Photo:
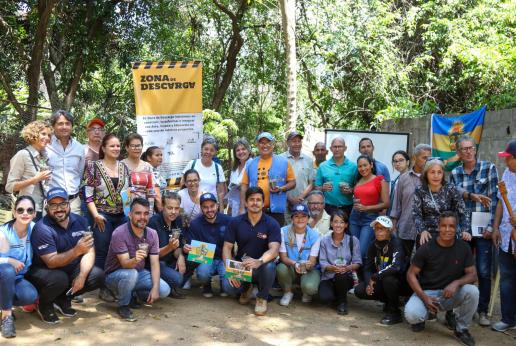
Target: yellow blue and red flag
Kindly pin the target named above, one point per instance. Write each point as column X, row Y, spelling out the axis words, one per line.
column 447, row 129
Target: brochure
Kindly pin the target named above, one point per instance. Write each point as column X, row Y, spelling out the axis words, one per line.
column 201, row 252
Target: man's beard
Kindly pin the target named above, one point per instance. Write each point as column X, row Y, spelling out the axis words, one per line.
column 61, row 218
column 315, row 213
column 138, row 224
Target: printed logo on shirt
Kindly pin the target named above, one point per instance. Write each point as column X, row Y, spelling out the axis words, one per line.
column 41, row 247
column 261, row 235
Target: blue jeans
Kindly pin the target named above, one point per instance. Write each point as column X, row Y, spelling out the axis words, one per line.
column 206, row 271
column 171, row 276
column 102, row 239
column 507, row 287
column 483, row 257
column 264, row 276
column 14, row 291
column 123, row 282
column 463, row 303
column 359, row 226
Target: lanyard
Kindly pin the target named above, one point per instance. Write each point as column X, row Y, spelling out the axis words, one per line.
column 302, row 247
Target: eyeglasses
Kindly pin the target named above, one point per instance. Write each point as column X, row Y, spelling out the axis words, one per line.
column 315, row 203
column 466, row 149
column 96, row 129
column 135, row 146
column 29, row 211
column 54, row 206
column 194, row 181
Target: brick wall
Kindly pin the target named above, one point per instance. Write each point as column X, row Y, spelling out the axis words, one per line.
column 499, row 128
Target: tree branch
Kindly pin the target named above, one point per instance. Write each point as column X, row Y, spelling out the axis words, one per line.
column 6, row 84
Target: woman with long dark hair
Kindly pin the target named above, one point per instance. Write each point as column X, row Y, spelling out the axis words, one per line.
column 241, row 155
column 339, row 256
column 15, row 261
column 370, row 196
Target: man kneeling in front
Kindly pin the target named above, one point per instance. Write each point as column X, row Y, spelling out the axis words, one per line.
column 126, row 275
column 446, row 273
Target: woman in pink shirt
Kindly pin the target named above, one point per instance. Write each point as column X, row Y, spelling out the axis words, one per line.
column 370, row 197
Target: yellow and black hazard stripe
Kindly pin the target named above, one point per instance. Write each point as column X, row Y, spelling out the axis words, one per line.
column 165, row 64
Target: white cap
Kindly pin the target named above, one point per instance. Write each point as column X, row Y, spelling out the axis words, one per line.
column 382, row 220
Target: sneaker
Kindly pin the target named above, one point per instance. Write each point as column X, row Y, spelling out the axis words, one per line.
column 431, row 317
column 260, row 309
column 501, row 326
column 245, row 296
column 223, row 294
column 126, row 314
column 465, row 337
column 65, row 309
column 106, row 295
column 78, row 299
column 418, row 327
column 342, row 309
column 306, row 298
column 483, row 320
column 188, row 284
column 390, row 319
column 134, row 303
column 450, row 320
column 8, row 329
column 207, row 292
column 29, row 308
column 286, row 299
column 48, row 315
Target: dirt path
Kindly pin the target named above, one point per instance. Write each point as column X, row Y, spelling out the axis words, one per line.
column 222, row 321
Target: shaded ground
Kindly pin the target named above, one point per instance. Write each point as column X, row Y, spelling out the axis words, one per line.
column 221, row 321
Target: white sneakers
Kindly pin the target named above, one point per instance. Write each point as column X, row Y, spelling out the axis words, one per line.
column 286, row 299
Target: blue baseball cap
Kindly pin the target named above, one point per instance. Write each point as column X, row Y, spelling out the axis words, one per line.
column 208, row 196
column 300, row 208
column 267, row 135
column 57, row 192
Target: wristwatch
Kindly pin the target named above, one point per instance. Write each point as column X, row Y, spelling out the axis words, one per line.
column 261, row 261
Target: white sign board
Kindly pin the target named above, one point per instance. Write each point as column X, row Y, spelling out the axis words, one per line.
column 385, row 145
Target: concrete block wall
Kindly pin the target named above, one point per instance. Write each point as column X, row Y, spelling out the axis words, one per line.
column 499, row 128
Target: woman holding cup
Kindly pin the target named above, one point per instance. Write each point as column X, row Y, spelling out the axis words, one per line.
column 370, row 197
column 339, row 256
column 298, row 254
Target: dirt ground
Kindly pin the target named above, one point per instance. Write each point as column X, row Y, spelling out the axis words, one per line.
column 222, row 321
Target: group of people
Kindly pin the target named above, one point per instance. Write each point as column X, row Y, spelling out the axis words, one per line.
column 84, row 220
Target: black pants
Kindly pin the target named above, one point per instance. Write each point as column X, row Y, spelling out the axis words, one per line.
column 345, row 208
column 52, row 284
column 386, row 290
column 408, row 246
column 336, row 289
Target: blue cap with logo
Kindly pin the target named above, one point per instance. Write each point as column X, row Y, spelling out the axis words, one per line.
column 266, row 135
column 208, row 196
column 57, row 192
column 300, row 208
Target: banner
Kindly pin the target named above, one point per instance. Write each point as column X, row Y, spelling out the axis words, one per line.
column 446, row 131
column 168, row 99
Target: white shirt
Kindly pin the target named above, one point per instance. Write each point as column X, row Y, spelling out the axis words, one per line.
column 67, row 164
column 191, row 210
column 208, row 176
column 314, row 251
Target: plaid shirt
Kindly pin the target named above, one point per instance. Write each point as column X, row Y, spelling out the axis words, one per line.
column 482, row 180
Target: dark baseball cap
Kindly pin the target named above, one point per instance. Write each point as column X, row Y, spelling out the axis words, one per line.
column 300, row 208
column 57, row 192
column 293, row 135
column 510, row 149
column 208, row 196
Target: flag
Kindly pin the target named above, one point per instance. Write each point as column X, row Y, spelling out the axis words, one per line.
column 446, row 130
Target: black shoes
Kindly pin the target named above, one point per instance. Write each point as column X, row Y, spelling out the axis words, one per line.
column 176, row 294
column 450, row 320
column 342, row 309
column 391, row 318
column 418, row 327
column 64, row 306
column 134, row 304
column 48, row 315
column 126, row 314
column 465, row 337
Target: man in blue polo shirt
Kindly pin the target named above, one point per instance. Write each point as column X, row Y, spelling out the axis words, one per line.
column 258, row 238
column 64, row 258
column 366, row 147
column 336, row 178
column 209, row 227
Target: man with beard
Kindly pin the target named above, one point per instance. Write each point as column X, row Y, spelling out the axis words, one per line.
column 209, row 227
column 126, row 275
column 319, row 218
column 64, row 258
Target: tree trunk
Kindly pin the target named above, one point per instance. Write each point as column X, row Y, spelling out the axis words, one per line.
column 288, row 23
column 45, row 8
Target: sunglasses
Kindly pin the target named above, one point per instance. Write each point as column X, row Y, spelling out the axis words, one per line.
column 30, row 211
